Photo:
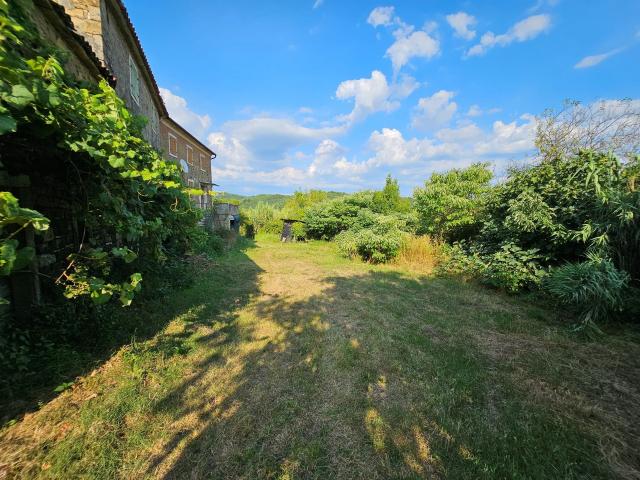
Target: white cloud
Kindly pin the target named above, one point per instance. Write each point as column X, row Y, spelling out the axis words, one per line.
column 416, row 45
column 268, row 137
column 381, row 16
column 434, row 111
column 509, row 138
column 197, row 125
column 374, row 94
column 542, row 3
column 370, row 95
column 524, row 30
column 448, row 146
column 474, row 111
column 409, row 43
column 328, row 168
column 318, row 4
column 462, row 134
column 593, row 60
column 460, row 22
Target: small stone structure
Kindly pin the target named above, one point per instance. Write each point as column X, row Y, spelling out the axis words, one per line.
column 225, row 216
column 287, row 229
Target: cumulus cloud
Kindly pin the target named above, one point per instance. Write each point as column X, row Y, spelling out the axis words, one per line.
column 417, row 44
column 374, row 94
column 449, row 145
column 269, row 137
column 522, row 31
column 409, row 43
column 328, row 168
column 197, row 125
column 369, row 95
column 474, row 111
column 460, row 22
column 434, row 111
column 593, row 60
column 381, row 16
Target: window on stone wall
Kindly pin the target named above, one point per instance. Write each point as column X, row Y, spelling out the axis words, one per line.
column 134, row 80
column 173, row 145
column 189, row 155
column 202, row 162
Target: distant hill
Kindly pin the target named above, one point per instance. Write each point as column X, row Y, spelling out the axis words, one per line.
column 276, row 199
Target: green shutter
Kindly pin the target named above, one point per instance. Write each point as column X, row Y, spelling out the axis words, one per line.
column 134, row 80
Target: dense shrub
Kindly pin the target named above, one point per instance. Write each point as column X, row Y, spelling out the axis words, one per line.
column 207, row 242
column 547, row 205
column 263, row 218
column 510, row 268
column 451, row 204
column 596, row 288
column 370, row 244
column 325, row 220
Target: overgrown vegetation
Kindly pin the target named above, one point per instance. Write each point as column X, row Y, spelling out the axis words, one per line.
column 127, row 216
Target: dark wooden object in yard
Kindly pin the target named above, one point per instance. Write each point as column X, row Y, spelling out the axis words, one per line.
column 287, row 229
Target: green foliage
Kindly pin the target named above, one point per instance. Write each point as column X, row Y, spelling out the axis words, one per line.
column 207, row 243
column 126, row 190
column 15, row 219
column 373, row 237
column 451, row 204
column 513, row 269
column 263, row 218
column 510, row 268
column 544, row 206
column 596, row 288
column 389, row 200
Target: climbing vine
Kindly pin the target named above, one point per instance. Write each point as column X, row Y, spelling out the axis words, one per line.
column 131, row 203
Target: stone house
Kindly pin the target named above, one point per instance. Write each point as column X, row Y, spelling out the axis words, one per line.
column 193, row 157
column 101, row 30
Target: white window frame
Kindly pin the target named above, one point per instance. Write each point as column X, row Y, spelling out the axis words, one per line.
column 132, row 67
column 171, row 135
column 186, row 154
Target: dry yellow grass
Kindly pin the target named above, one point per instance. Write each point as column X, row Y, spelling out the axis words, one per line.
column 420, row 253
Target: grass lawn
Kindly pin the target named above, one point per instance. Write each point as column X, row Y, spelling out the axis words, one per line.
column 287, row 361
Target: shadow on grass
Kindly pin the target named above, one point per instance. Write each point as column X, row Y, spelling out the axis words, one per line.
column 375, row 376
column 166, row 294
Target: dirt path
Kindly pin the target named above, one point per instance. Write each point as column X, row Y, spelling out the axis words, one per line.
column 290, row 362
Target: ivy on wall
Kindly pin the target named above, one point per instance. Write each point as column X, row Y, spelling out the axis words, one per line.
column 132, row 204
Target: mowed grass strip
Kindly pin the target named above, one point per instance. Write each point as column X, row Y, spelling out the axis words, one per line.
column 288, row 361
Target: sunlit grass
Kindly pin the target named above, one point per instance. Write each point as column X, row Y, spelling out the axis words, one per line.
column 289, row 361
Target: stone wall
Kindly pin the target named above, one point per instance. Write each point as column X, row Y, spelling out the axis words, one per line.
column 102, row 24
column 87, row 18
column 54, row 32
column 221, row 216
column 198, row 172
column 117, row 50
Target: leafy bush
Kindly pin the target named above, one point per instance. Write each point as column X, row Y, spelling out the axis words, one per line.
column 547, row 205
column 206, row 242
column 510, row 268
column 370, row 244
column 451, row 203
column 595, row 287
column 325, row 220
column 263, row 218
column 513, row 269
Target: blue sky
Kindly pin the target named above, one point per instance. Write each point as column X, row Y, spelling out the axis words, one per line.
column 334, row 95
